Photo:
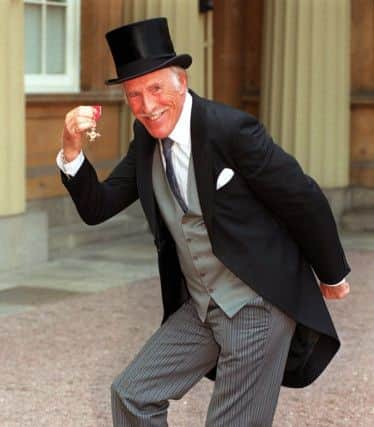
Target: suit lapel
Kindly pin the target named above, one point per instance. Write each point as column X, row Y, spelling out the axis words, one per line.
column 146, row 147
column 202, row 158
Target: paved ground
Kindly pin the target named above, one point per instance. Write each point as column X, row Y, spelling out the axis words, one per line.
column 70, row 325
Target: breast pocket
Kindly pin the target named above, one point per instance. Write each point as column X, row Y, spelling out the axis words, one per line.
column 231, row 185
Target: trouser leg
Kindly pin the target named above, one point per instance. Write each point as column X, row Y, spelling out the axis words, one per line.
column 178, row 355
column 254, row 347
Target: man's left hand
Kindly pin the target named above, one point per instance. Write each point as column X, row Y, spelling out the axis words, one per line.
column 335, row 292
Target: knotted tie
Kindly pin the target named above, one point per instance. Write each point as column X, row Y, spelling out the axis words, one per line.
column 170, row 174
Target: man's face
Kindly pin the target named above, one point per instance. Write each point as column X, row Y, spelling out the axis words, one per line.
column 156, row 100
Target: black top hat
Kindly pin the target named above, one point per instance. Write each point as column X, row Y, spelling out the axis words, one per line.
column 143, row 47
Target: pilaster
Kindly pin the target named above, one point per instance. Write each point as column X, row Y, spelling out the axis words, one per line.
column 24, row 239
column 12, row 109
column 305, row 84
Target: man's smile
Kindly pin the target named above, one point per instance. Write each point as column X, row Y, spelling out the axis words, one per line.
column 155, row 116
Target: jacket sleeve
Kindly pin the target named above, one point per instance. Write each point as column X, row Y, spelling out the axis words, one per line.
column 294, row 198
column 97, row 201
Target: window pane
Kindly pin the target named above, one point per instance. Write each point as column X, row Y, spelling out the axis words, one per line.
column 56, row 31
column 33, row 38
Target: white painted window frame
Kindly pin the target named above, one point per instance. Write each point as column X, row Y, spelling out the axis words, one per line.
column 69, row 82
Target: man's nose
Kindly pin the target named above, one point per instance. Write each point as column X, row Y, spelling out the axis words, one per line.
column 148, row 104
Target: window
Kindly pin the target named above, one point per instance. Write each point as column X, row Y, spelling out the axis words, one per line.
column 52, row 46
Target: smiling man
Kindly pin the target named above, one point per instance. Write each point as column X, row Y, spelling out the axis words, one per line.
column 156, row 99
column 240, row 231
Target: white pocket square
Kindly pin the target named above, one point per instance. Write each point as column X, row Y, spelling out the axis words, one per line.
column 224, row 177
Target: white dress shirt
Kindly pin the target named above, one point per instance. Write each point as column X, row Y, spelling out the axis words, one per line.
column 181, row 149
column 69, row 168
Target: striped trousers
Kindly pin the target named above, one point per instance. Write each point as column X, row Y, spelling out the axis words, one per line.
column 250, row 351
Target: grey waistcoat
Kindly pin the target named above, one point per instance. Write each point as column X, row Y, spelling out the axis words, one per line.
column 205, row 275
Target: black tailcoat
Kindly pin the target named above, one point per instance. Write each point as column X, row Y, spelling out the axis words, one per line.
column 270, row 225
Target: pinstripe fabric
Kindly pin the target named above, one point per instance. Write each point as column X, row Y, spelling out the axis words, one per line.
column 251, row 349
column 181, row 351
column 250, row 369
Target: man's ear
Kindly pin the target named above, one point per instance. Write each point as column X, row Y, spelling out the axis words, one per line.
column 183, row 82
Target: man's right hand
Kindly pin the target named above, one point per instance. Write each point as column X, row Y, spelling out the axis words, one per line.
column 77, row 122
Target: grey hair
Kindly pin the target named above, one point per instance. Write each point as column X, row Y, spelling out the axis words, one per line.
column 177, row 73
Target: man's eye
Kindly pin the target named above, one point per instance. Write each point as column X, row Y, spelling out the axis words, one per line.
column 156, row 89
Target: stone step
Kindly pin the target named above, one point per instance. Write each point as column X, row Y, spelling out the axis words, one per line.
column 358, row 219
column 63, row 238
column 362, row 197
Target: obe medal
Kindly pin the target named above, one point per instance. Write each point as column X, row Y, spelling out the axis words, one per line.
column 92, row 134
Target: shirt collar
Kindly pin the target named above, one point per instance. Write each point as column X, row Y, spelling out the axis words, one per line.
column 181, row 133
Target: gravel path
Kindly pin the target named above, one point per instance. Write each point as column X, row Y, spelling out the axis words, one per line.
column 57, row 361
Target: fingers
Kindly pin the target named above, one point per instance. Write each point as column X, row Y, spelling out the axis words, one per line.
column 80, row 119
column 77, row 122
column 77, row 125
column 335, row 292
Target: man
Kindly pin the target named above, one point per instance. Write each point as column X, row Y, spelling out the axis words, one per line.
column 239, row 229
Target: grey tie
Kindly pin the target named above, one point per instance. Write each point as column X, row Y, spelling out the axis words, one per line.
column 170, row 174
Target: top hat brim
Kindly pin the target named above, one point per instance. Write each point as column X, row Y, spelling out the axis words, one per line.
column 148, row 65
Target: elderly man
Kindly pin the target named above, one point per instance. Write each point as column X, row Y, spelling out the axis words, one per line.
column 239, row 230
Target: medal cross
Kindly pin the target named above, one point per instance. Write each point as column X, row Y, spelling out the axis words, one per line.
column 92, row 134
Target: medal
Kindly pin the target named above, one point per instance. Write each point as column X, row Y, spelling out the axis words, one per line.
column 92, row 134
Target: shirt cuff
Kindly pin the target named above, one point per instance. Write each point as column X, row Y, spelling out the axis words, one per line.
column 69, row 168
column 335, row 284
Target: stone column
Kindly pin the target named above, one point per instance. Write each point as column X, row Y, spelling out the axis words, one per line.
column 24, row 238
column 12, row 109
column 305, row 91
